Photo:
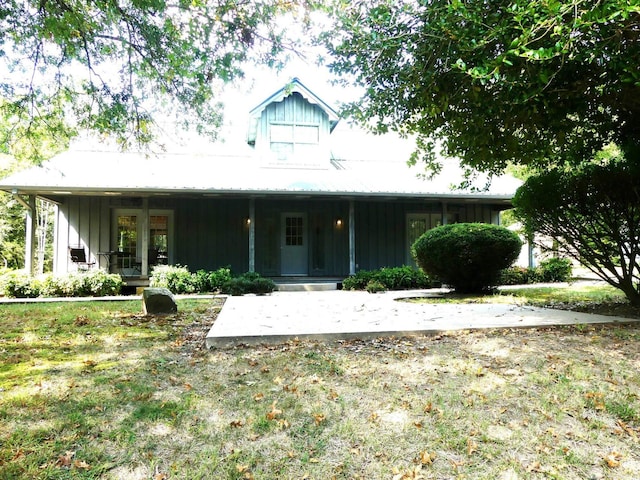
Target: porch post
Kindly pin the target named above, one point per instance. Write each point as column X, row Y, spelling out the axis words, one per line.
column 352, row 238
column 144, row 254
column 252, row 234
column 30, row 234
column 444, row 213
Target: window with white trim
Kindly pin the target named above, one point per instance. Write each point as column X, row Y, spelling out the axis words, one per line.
column 294, row 142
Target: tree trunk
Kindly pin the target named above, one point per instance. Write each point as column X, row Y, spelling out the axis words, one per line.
column 631, row 292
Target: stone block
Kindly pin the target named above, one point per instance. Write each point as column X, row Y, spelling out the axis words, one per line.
column 158, row 301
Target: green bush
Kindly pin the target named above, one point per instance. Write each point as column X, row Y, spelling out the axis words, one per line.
column 550, row 270
column 19, row 284
column 250, row 282
column 358, row 281
column 374, row 286
column 467, row 256
column 518, row 276
column 175, row 278
column 555, row 270
column 391, row 278
column 217, row 278
column 93, row 283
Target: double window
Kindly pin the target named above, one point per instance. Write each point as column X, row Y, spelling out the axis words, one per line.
column 294, row 142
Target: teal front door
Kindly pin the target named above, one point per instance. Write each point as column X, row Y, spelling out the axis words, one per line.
column 294, row 258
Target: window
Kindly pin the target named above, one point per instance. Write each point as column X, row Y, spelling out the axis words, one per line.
column 294, row 140
column 127, row 234
column 417, row 224
column 294, row 231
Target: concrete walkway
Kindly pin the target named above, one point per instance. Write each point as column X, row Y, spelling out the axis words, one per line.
column 283, row 316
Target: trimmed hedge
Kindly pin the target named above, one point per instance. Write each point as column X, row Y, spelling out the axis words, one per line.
column 467, row 256
column 250, row 282
column 93, row 283
column 388, row 278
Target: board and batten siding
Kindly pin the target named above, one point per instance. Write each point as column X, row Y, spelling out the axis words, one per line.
column 381, row 227
column 211, row 233
column 83, row 222
column 294, row 109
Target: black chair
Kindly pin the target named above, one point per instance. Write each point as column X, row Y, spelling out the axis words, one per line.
column 79, row 257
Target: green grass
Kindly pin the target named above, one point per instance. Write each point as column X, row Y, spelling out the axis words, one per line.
column 98, row 391
column 571, row 294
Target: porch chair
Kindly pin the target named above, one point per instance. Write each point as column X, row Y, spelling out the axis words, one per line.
column 79, row 257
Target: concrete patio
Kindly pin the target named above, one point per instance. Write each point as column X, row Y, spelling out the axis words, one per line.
column 336, row 314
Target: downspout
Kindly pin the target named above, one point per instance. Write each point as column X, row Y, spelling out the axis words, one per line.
column 30, row 229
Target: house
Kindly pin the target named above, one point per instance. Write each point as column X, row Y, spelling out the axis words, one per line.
column 303, row 195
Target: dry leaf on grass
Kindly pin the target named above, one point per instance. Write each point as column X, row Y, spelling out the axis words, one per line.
column 426, row 458
column 613, row 459
column 66, row 459
column 274, row 412
column 411, row 474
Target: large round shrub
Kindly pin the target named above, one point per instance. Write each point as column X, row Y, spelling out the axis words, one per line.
column 467, row 256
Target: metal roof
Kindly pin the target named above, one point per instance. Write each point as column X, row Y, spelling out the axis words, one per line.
column 361, row 165
column 109, row 172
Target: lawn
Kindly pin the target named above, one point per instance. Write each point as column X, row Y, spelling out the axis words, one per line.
column 97, row 390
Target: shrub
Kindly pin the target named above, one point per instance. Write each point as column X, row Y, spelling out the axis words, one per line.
column 358, row 281
column 99, row 283
column 250, row 282
column 467, row 256
column 176, row 278
column 374, row 286
column 93, row 283
column 550, row 270
column 19, row 284
column 218, row 277
column 555, row 270
column 391, row 278
column 518, row 276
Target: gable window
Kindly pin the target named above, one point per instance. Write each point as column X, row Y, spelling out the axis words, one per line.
column 294, row 142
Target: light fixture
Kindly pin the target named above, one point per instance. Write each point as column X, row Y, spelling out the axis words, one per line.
column 248, row 221
column 338, row 222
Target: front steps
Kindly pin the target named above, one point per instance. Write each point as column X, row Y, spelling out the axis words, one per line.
column 306, row 284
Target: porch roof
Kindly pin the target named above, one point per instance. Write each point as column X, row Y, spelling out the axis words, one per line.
column 112, row 173
column 362, row 165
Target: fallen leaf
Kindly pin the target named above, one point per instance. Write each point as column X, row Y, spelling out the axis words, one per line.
column 613, row 459
column 258, row 397
column 273, row 414
column 236, row 423
column 318, row 418
column 426, row 458
column 66, row 459
column 534, row 467
column 81, row 464
column 472, row 447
